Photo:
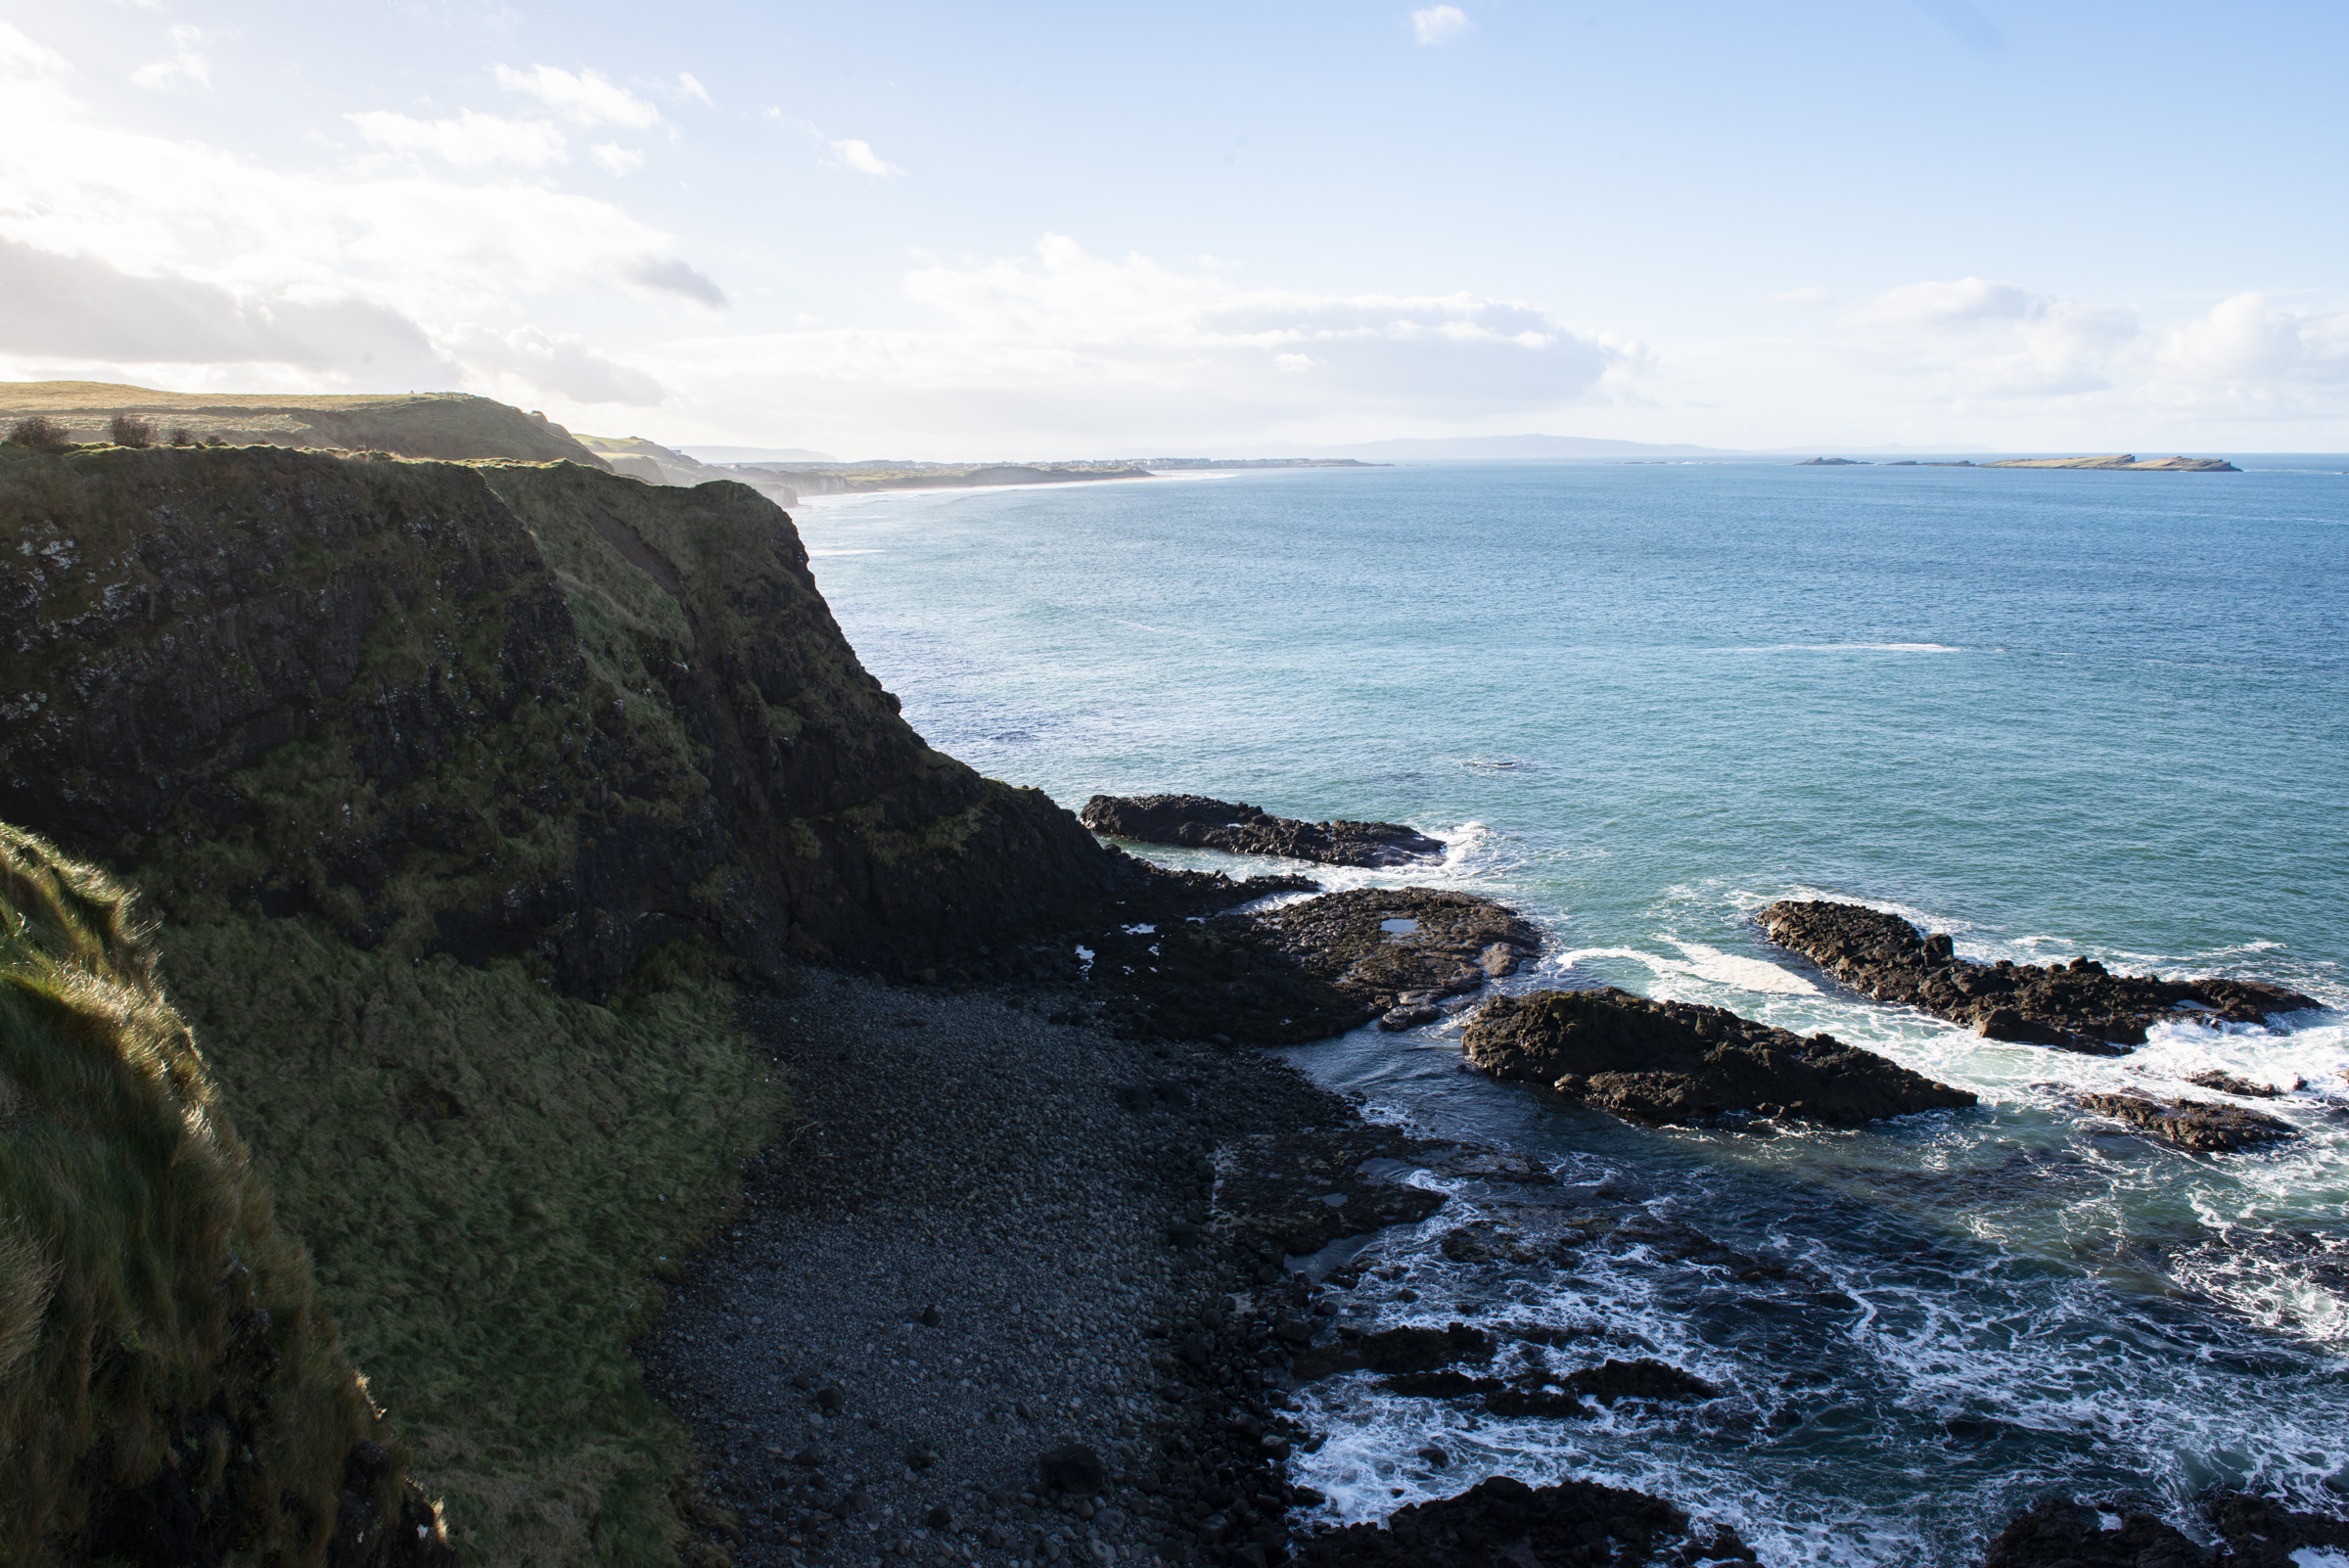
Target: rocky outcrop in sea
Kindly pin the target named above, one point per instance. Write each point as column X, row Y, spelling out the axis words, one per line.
column 1201, row 823
column 2079, row 1006
column 1679, row 1062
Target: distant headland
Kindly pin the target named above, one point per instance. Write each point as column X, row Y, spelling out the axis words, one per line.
column 2117, row 460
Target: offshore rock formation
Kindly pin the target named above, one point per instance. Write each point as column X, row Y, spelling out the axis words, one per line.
column 2061, row 1532
column 2079, row 1006
column 1201, row 823
column 1676, row 1062
column 539, row 711
column 2197, row 1124
column 172, row 1389
column 2124, row 460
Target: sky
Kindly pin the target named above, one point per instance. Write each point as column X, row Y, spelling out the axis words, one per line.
column 1035, row 231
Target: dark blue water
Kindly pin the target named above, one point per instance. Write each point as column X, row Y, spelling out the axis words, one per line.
column 2051, row 713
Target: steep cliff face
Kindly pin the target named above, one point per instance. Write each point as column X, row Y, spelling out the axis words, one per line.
column 537, row 710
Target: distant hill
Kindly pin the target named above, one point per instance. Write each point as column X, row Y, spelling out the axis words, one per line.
column 453, row 426
column 757, row 454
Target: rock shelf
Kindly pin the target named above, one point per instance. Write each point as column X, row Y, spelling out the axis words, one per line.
column 1663, row 1061
column 2079, row 1006
column 1198, row 822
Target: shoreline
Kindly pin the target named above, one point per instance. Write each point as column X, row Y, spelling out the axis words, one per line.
column 998, row 1228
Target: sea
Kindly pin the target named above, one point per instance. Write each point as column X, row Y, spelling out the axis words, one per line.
column 2051, row 713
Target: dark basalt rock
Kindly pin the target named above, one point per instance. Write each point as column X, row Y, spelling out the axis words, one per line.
column 2262, row 1532
column 2059, row 1533
column 1678, row 1062
column 1201, row 823
column 2079, row 1006
column 2229, row 1083
column 1307, row 970
column 1502, row 1520
column 2197, row 1124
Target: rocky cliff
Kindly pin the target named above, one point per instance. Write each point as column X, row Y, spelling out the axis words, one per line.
column 507, row 708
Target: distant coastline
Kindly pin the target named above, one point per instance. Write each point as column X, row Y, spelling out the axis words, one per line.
column 2115, row 461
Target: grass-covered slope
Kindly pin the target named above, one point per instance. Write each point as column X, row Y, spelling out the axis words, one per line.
column 493, row 1180
column 171, row 1385
column 443, row 425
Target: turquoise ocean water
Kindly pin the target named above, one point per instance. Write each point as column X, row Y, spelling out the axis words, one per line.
column 2051, row 713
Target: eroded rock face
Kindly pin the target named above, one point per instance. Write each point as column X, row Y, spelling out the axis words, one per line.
column 2198, row 1125
column 1678, row 1062
column 530, row 710
column 1208, row 825
column 2079, row 1006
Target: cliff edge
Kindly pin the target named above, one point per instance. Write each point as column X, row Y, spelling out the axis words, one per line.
column 499, row 710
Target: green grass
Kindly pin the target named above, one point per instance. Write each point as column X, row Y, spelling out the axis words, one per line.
column 136, row 1239
column 492, row 1179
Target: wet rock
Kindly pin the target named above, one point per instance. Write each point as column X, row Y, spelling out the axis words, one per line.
column 2078, row 1006
column 1305, row 971
column 1277, row 1189
column 2198, row 1125
column 1642, row 1379
column 1406, row 1351
column 1409, row 1017
column 2262, row 1532
column 931, row 1318
column 2229, row 1083
column 1678, row 1062
column 1505, row 1521
column 1196, row 822
column 2059, row 1533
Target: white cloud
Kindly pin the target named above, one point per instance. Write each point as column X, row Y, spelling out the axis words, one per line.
column 1434, row 24
column 669, row 275
column 58, row 307
column 1062, row 345
column 615, row 158
column 469, row 141
column 1971, row 340
column 692, row 88
column 185, row 63
column 22, row 58
column 538, row 364
column 860, row 157
column 120, row 249
column 585, row 98
column 2243, row 343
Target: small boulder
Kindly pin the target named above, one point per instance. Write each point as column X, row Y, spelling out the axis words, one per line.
column 1074, row 1468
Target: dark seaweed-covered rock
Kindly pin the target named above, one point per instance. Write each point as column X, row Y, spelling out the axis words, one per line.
column 2059, row 1533
column 2079, row 1006
column 1202, row 823
column 1504, row 1521
column 1660, row 1061
column 2196, row 1125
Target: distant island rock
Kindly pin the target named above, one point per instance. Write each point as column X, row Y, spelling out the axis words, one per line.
column 1834, row 462
column 2079, row 1006
column 1201, row 823
column 2123, row 460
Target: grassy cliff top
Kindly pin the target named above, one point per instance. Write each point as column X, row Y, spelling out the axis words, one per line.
column 454, row 426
